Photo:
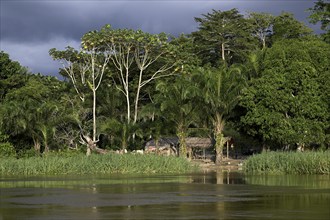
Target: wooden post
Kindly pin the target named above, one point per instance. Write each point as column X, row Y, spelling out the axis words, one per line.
column 227, row 149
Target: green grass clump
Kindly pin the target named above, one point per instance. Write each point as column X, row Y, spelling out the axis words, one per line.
column 95, row 164
column 289, row 163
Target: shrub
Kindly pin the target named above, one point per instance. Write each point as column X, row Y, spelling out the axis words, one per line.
column 7, row 150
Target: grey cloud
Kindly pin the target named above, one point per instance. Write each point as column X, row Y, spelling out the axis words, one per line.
column 30, row 28
column 35, row 21
column 35, row 55
column 42, row 20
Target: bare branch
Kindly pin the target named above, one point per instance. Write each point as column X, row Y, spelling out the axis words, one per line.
column 154, row 76
column 68, row 67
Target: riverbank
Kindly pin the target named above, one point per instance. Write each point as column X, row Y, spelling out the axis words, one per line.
column 270, row 163
column 273, row 163
column 95, row 164
column 227, row 164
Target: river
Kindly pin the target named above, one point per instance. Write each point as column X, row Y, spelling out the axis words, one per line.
column 190, row 196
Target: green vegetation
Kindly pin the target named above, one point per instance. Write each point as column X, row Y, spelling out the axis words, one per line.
column 258, row 77
column 289, row 163
column 289, row 103
column 320, row 14
column 57, row 164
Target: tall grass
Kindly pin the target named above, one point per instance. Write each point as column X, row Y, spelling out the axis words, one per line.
column 95, row 164
column 289, row 163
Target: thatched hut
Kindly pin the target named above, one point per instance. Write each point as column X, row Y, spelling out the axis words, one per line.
column 199, row 147
column 165, row 145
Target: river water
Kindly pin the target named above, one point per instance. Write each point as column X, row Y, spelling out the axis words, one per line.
column 191, row 196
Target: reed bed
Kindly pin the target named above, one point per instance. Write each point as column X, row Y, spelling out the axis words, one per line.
column 95, row 164
column 289, row 163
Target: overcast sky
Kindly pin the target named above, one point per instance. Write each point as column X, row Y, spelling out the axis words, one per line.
column 29, row 28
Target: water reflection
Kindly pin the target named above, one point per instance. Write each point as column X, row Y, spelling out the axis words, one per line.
column 306, row 181
column 219, row 178
column 196, row 196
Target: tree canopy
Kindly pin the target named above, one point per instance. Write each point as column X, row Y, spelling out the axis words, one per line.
column 223, row 37
column 288, row 104
column 320, row 13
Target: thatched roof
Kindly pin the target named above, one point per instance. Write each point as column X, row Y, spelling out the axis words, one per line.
column 194, row 142
column 199, row 142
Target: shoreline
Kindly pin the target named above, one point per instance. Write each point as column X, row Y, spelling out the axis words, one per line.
column 227, row 164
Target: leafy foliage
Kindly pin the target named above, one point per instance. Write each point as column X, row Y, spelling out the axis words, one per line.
column 287, row 104
column 6, row 148
column 178, row 104
column 287, row 27
column 262, row 24
column 12, row 74
column 321, row 13
column 221, row 92
column 223, row 37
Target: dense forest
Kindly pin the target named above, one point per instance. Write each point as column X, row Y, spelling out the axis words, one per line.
column 262, row 79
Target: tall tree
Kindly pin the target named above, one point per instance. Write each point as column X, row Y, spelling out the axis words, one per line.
column 138, row 59
column 262, row 26
column 185, row 54
column 287, row 27
column 321, row 13
column 223, row 37
column 86, row 68
column 221, row 89
column 12, row 75
column 154, row 123
column 178, row 103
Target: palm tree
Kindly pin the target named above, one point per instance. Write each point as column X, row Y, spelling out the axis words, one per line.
column 176, row 100
column 33, row 112
column 17, row 120
column 221, row 89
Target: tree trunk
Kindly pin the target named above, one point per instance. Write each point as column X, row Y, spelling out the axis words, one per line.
column 36, row 146
column 128, row 102
column 94, row 101
column 91, row 146
column 124, row 138
column 88, row 150
column 137, row 97
column 128, row 108
column 223, row 52
column 220, row 141
column 91, row 143
column 263, row 43
column 182, row 140
column 94, row 115
column 46, row 147
column 219, row 138
column 157, row 146
column 46, row 150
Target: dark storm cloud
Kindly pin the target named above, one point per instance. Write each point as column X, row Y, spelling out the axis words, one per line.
column 42, row 20
column 30, row 28
column 37, row 20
